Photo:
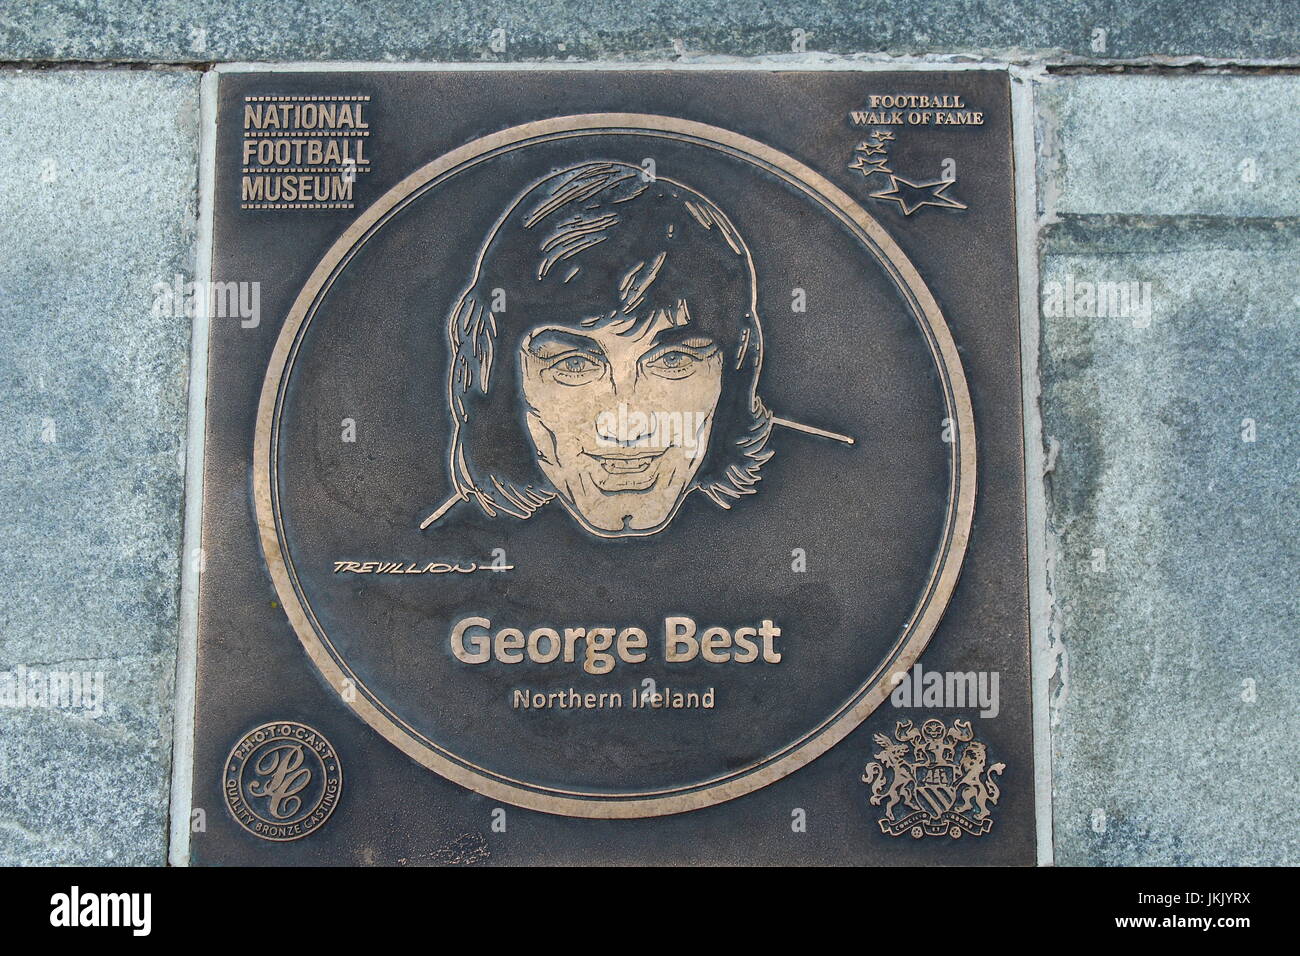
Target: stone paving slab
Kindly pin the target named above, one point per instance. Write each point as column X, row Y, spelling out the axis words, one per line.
column 176, row 31
column 98, row 174
column 1172, row 496
column 1170, row 145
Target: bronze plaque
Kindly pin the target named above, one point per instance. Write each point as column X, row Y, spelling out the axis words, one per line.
column 613, row 466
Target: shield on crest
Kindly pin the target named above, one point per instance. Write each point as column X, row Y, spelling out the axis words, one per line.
column 936, row 787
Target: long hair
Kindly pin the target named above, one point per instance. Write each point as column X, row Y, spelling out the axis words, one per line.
column 588, row 245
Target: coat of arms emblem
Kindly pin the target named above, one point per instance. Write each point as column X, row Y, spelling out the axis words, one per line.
column 933, row 780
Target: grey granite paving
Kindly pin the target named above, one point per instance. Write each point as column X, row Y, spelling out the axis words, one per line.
column 1221, row 146
column 97, row 205
column 1173, row 496
column 215, row 30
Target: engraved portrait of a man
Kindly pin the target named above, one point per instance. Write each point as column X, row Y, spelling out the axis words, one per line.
column 606, row 354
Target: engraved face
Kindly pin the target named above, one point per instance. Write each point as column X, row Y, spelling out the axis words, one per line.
column 615, row 319
column 620, row 415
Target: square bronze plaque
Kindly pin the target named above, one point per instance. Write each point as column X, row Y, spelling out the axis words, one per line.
column 613, row 466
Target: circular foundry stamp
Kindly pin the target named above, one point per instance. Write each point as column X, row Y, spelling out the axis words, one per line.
column 282, row 781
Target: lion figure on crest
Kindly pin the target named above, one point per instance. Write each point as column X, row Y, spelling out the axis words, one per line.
column 975, row 786
column 892, row 756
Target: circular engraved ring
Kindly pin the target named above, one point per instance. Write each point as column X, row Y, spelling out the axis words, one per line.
column 933, row 593
column 282, row 781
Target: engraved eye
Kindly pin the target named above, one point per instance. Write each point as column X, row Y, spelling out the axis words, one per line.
column 674, row 363
column 575, row 369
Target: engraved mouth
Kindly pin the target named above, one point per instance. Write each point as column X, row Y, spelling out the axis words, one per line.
column 626, row 464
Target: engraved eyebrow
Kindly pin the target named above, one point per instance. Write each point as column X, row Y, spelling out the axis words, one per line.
column 564, row 339
column 681, row 335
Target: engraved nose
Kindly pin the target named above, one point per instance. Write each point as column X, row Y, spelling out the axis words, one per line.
column 637, row 429
column 624, row 426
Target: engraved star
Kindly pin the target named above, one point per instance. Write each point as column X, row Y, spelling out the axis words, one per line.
column 912, row 196
column 869, row 149
column 884, row 134
column 869, row 167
